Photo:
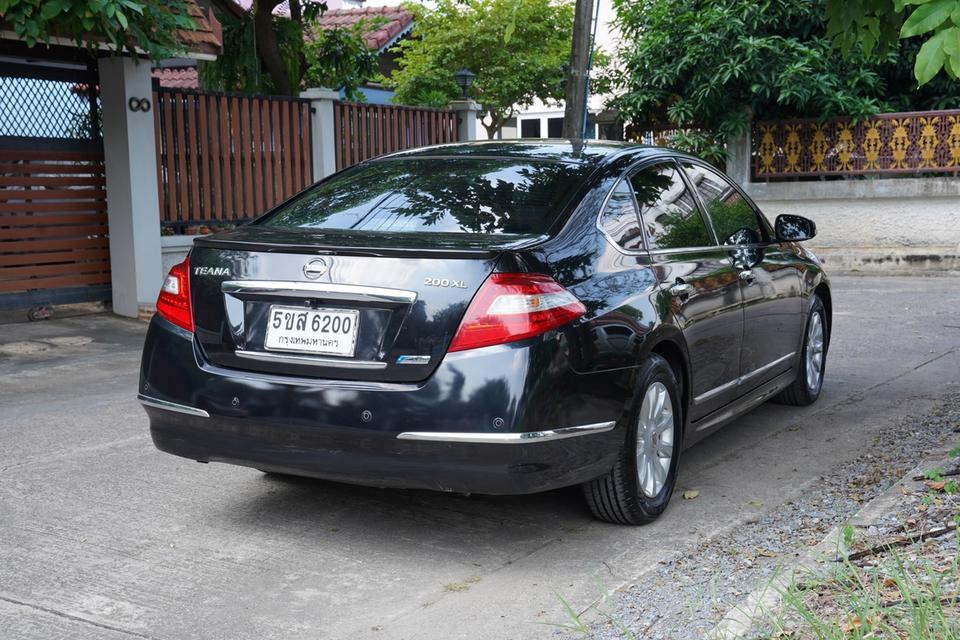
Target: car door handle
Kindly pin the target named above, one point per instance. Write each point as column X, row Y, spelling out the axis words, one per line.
column 747, row 276
column 682, row 289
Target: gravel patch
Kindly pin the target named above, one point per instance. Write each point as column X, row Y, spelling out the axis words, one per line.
column 686, row 597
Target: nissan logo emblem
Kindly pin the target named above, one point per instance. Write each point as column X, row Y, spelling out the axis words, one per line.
column 315, row 268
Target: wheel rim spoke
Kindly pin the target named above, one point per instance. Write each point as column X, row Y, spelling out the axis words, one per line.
column 814, row 352
column 655, row 431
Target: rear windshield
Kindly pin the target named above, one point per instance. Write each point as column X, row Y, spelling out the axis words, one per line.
column 438, row 195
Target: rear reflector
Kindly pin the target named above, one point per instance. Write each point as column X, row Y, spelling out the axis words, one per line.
column 174, row 300
column 514, row 306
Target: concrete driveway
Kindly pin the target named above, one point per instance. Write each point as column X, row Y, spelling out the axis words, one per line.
column 103, row 537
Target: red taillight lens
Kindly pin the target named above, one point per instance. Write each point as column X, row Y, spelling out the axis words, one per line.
column 514, row 306
column 174, row 300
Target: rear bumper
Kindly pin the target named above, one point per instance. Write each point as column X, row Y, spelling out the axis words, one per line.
column 480, row 424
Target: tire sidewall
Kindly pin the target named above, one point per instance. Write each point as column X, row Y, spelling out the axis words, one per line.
column 656, row 370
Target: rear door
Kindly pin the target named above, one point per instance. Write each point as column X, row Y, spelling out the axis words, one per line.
column 699, row 279
column 768, row 273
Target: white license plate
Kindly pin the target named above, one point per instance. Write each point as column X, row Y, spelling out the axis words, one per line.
column 330, row 332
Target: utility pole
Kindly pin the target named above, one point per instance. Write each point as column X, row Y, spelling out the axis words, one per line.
column 576, row 89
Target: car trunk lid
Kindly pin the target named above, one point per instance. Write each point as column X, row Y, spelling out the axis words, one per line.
column 267, row 300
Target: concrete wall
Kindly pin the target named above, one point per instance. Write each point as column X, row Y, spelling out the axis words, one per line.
column 889, row 225
column 174, row 249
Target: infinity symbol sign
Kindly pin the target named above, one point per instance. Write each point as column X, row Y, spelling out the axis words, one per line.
column 139, row 104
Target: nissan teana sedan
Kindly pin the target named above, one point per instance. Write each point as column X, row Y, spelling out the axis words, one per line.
column 499, row 318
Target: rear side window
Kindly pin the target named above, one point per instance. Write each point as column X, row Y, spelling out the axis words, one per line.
column 438, row 195
column 734, row 220
column 619, row 219
column 671, row 218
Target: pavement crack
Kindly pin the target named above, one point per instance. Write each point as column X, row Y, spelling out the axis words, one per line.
column 68, row 616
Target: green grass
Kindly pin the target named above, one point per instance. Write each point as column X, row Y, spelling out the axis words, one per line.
column 906, row 596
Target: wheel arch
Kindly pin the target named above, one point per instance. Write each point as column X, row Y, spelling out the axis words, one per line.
column 672, row 348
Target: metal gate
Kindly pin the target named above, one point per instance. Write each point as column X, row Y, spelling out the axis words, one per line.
column 54, row 244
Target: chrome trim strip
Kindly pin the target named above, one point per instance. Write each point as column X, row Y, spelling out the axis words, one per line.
column 528, row 437
column 728, row 385
column 754, row 402
column 335, row 291
column 312, row 360
column 171, row 406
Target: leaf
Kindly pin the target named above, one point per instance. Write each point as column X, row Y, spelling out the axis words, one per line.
column 951, row 46
column 930, row 59
column 690, row 494
column 50, row 10
column 122, row 19
column 927, row 18
column 508, row 32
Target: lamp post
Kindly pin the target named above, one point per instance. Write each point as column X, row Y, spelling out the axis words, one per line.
column 464, row 79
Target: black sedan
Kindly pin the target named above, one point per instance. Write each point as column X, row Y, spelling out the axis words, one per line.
column 502, row 318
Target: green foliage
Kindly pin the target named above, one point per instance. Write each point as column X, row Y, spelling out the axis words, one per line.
column 239, row 68
column 340, row 59
column 124, row 25
column 334, row 58
column 877, row 24
column 516, row 48
column 712, row 65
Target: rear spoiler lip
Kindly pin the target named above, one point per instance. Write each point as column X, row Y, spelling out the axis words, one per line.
column 309, row 248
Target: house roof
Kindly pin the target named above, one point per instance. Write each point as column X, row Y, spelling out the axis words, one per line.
column 390, row 23
column 178, row 77
column 205, row 37
column 203, row 41
column 395, row 22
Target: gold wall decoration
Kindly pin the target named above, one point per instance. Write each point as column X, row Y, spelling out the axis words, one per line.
column 922, row 142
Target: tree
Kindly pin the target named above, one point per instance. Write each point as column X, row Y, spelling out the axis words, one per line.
column 286, row 71
column 516, row 48
column 340, row 58
column 876, row 25
column 335, row 58
column 124, row 25
column 712, row 65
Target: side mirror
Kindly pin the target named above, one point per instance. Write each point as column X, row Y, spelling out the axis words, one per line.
column 790, row 228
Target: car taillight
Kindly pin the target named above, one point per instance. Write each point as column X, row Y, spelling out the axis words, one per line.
column 514, row 306
column 173, row 302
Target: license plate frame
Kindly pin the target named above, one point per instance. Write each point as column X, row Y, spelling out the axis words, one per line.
column 296, row 339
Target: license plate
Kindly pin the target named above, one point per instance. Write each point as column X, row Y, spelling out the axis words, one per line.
column 330, row 332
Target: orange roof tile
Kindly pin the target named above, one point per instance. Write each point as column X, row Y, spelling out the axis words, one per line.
column 390, row 23
column 178, row 77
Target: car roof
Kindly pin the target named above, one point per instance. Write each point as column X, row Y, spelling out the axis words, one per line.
column 593, row 152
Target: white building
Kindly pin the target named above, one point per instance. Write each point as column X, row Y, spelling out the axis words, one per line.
column 545, row 120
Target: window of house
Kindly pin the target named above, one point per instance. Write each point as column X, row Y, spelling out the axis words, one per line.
column 554, row 127
column 530, row 128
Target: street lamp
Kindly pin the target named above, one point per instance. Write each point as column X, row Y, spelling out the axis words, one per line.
column 464, row 79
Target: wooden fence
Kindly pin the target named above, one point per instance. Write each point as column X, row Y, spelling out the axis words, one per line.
column 226, row 158
column 890, row 143
column 53, row 225
column 365, row 131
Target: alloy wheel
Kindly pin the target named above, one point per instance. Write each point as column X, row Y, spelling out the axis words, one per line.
column 814, row 352
column 655, row 439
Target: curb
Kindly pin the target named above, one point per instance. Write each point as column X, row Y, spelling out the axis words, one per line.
column 739, row 621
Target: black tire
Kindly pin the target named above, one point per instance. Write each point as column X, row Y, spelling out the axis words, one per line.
column 800, row 393
column 617, row 496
